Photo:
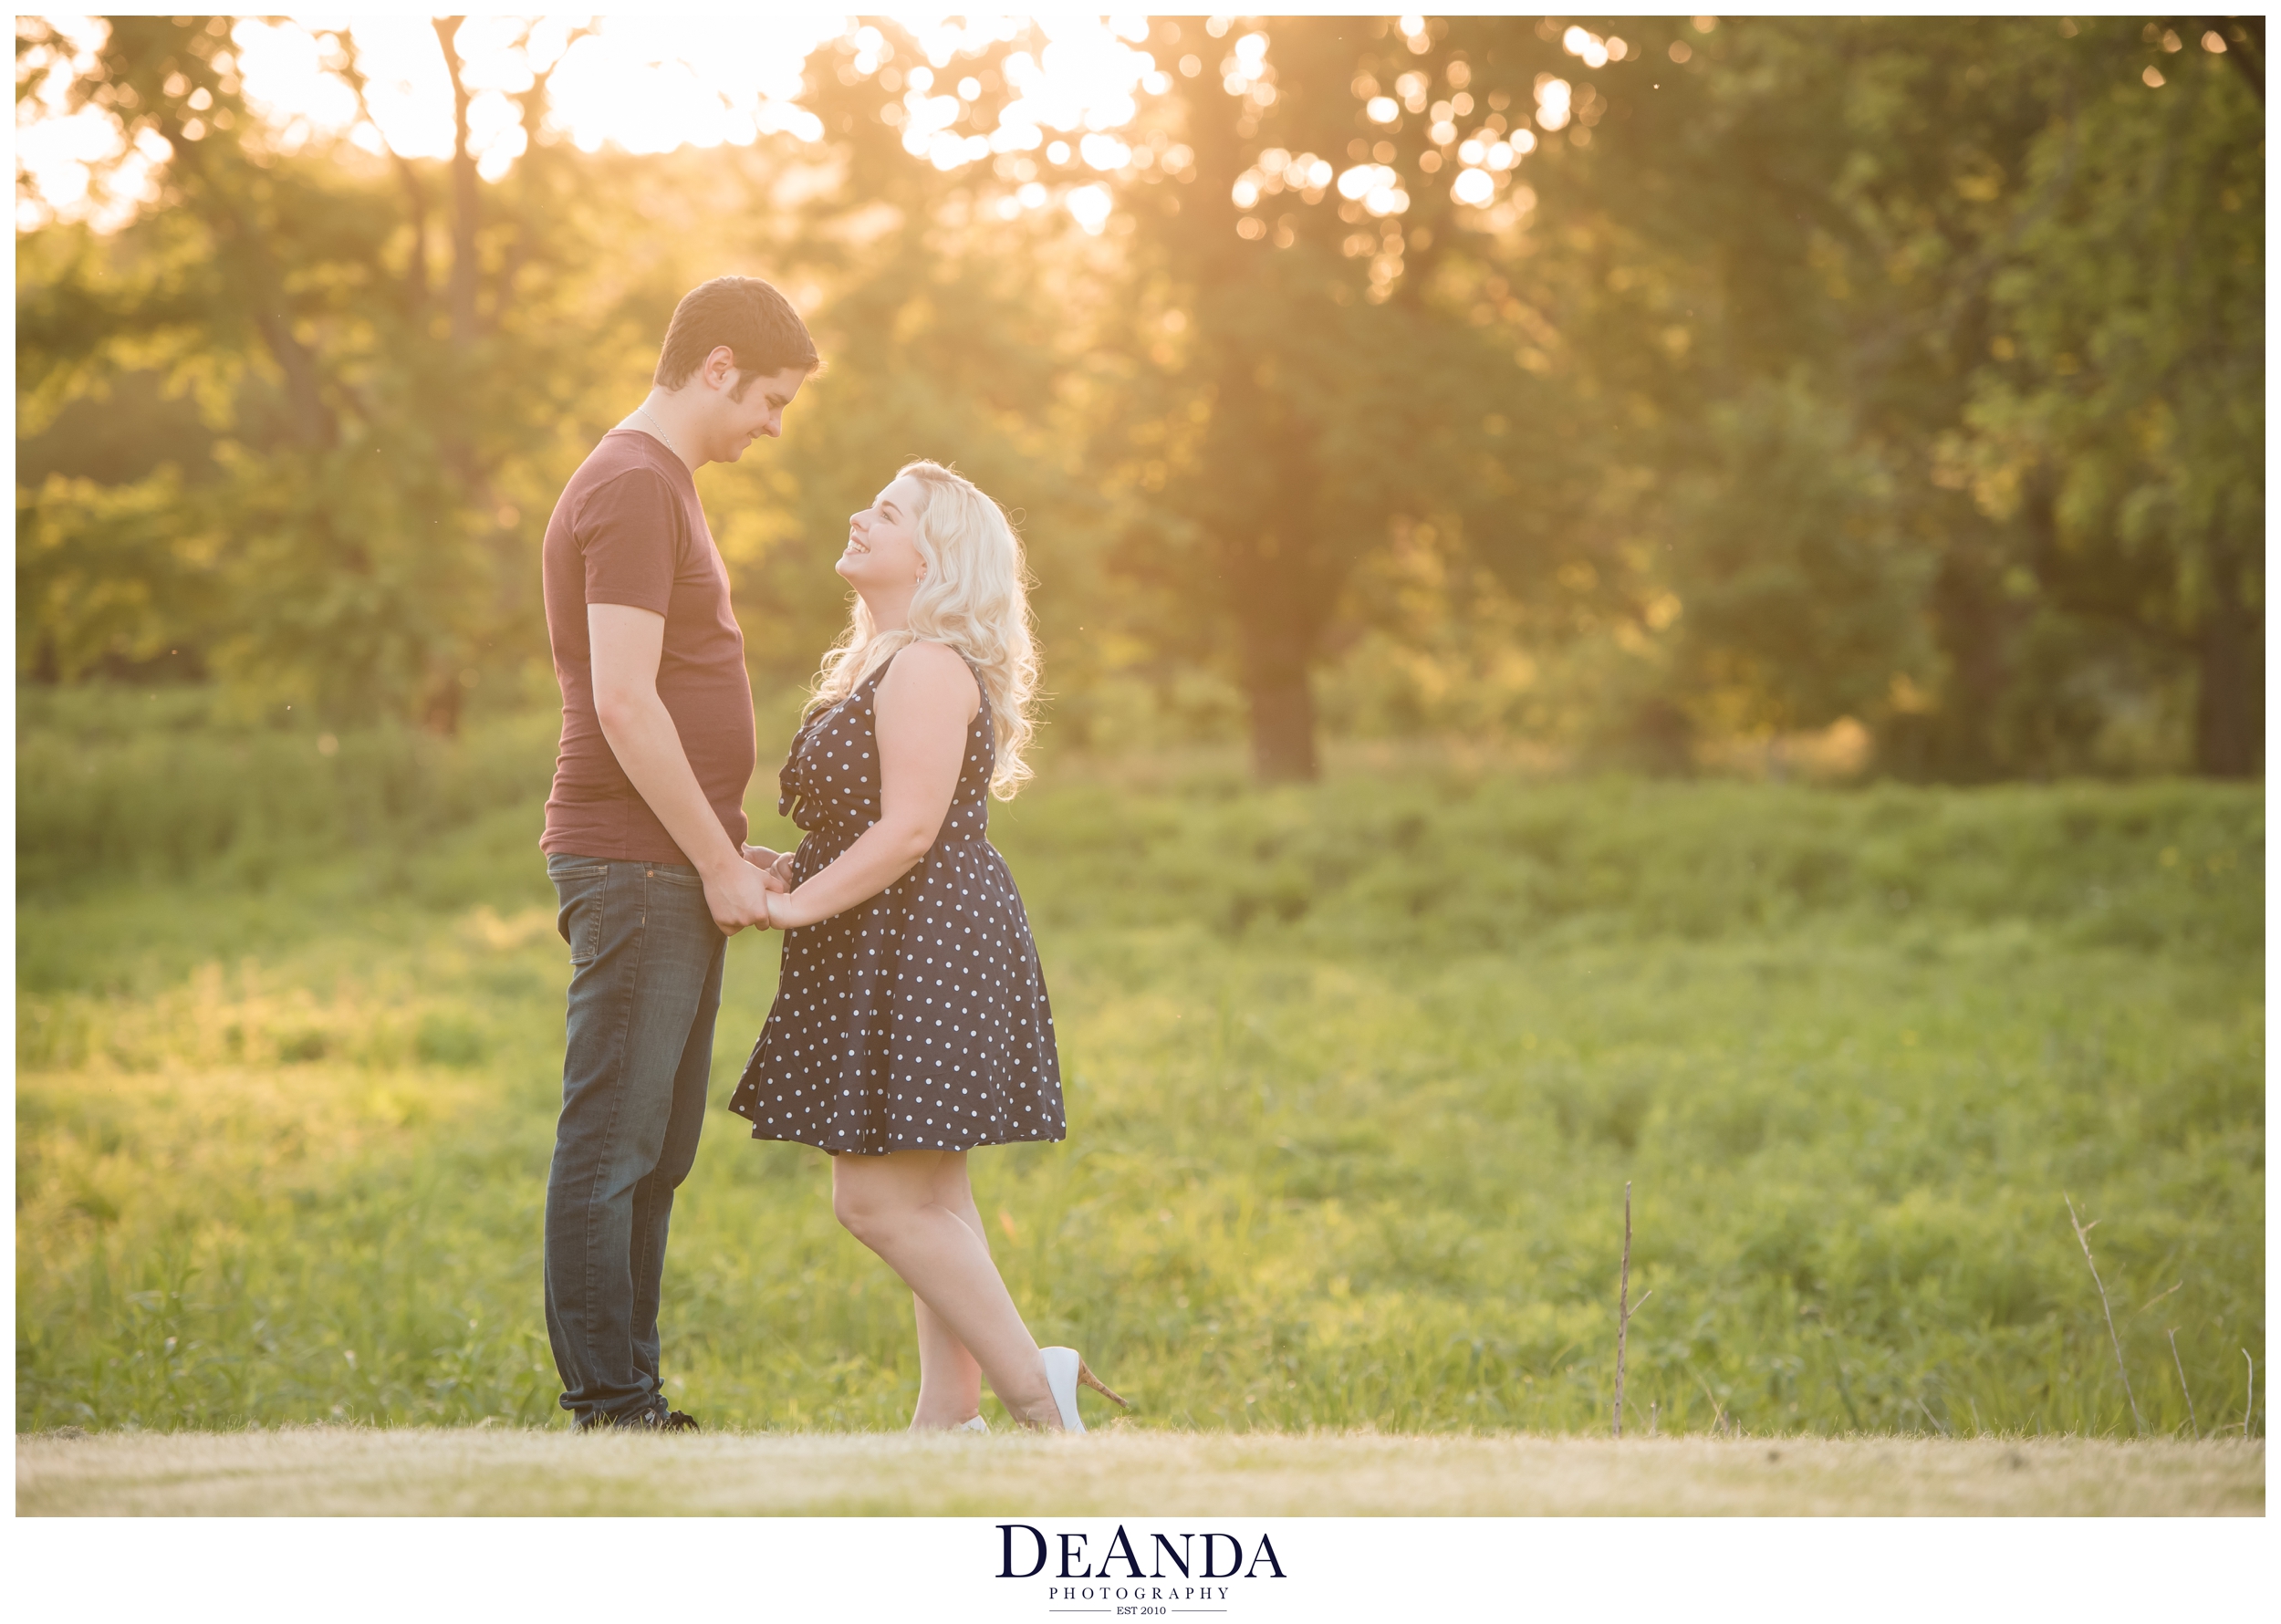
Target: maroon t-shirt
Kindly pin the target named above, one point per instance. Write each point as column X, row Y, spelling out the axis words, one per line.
column 629, row 529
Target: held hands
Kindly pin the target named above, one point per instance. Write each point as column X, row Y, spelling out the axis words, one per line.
column 739, row 895
column 777, row 864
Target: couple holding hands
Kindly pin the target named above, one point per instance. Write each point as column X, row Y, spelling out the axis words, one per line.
column 910, row 1022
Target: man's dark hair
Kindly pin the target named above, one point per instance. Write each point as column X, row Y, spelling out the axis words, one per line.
column 757, row 323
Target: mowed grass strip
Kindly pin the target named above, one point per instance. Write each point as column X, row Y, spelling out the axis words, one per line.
column 434, row 1472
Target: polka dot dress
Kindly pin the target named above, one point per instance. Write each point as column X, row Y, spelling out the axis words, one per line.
column 916, row 1020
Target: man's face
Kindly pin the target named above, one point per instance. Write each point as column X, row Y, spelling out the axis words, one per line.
column 736, row 424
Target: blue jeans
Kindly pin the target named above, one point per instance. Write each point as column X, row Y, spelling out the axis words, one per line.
column 645, row 984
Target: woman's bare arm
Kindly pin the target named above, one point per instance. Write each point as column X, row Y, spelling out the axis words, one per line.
column 923, row 707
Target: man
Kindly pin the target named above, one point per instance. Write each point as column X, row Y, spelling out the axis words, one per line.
column 645, row 828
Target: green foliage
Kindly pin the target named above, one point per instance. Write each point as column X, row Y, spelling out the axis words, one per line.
column 931, row 356
column 2127, row 424
column 1990, row 298
column 1799, row 611
column 1357, row 1073
column 1799, row 376
column 109, row 570
column 352, row 531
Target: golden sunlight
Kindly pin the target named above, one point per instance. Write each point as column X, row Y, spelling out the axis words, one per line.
column 639, row 83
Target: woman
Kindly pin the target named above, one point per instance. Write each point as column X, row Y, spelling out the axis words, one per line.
column 910, row 1023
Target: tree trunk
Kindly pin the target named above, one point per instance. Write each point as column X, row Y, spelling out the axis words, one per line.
column 263, row 285
column 2230, row 707
column 1273, row 599
column 460, row 286
column 1274, row 634
column 439, row 708
column 1283, row 731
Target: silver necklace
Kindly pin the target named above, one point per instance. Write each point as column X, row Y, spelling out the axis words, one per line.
column 659, row 430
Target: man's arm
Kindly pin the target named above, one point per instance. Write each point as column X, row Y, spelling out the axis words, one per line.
column 627, row 643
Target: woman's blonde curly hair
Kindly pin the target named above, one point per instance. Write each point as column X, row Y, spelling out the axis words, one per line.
column 975, row 598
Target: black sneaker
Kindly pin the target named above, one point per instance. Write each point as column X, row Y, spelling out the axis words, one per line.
column 640, row 1420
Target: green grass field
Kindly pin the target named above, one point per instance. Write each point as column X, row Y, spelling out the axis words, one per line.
column 1356, row 1075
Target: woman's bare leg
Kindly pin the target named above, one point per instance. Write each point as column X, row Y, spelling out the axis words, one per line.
column 895, row 1205
column 950, row 1381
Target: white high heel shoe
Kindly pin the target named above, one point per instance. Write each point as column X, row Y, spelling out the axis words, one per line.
column 1065, row 1368
column 972, row 1423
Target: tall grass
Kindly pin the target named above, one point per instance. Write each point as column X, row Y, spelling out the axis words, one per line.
column 1356, row 1075
column 111, row 785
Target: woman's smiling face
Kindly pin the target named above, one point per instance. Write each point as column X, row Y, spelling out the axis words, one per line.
column 882, row 556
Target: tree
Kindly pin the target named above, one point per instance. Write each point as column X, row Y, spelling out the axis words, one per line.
column 1906, row 370
column 2001, row 309
column 1253, row 459
column 2120, row 420
column 949, row 332
column 1296, row 381
column 356, row 536
column 1799, row 608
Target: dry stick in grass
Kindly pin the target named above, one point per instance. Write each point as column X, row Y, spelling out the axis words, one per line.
column 2083, row 1239
column 1623, row 1311
column 2181, row 1383
column 1625, row 1308
column 2249, row 1393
